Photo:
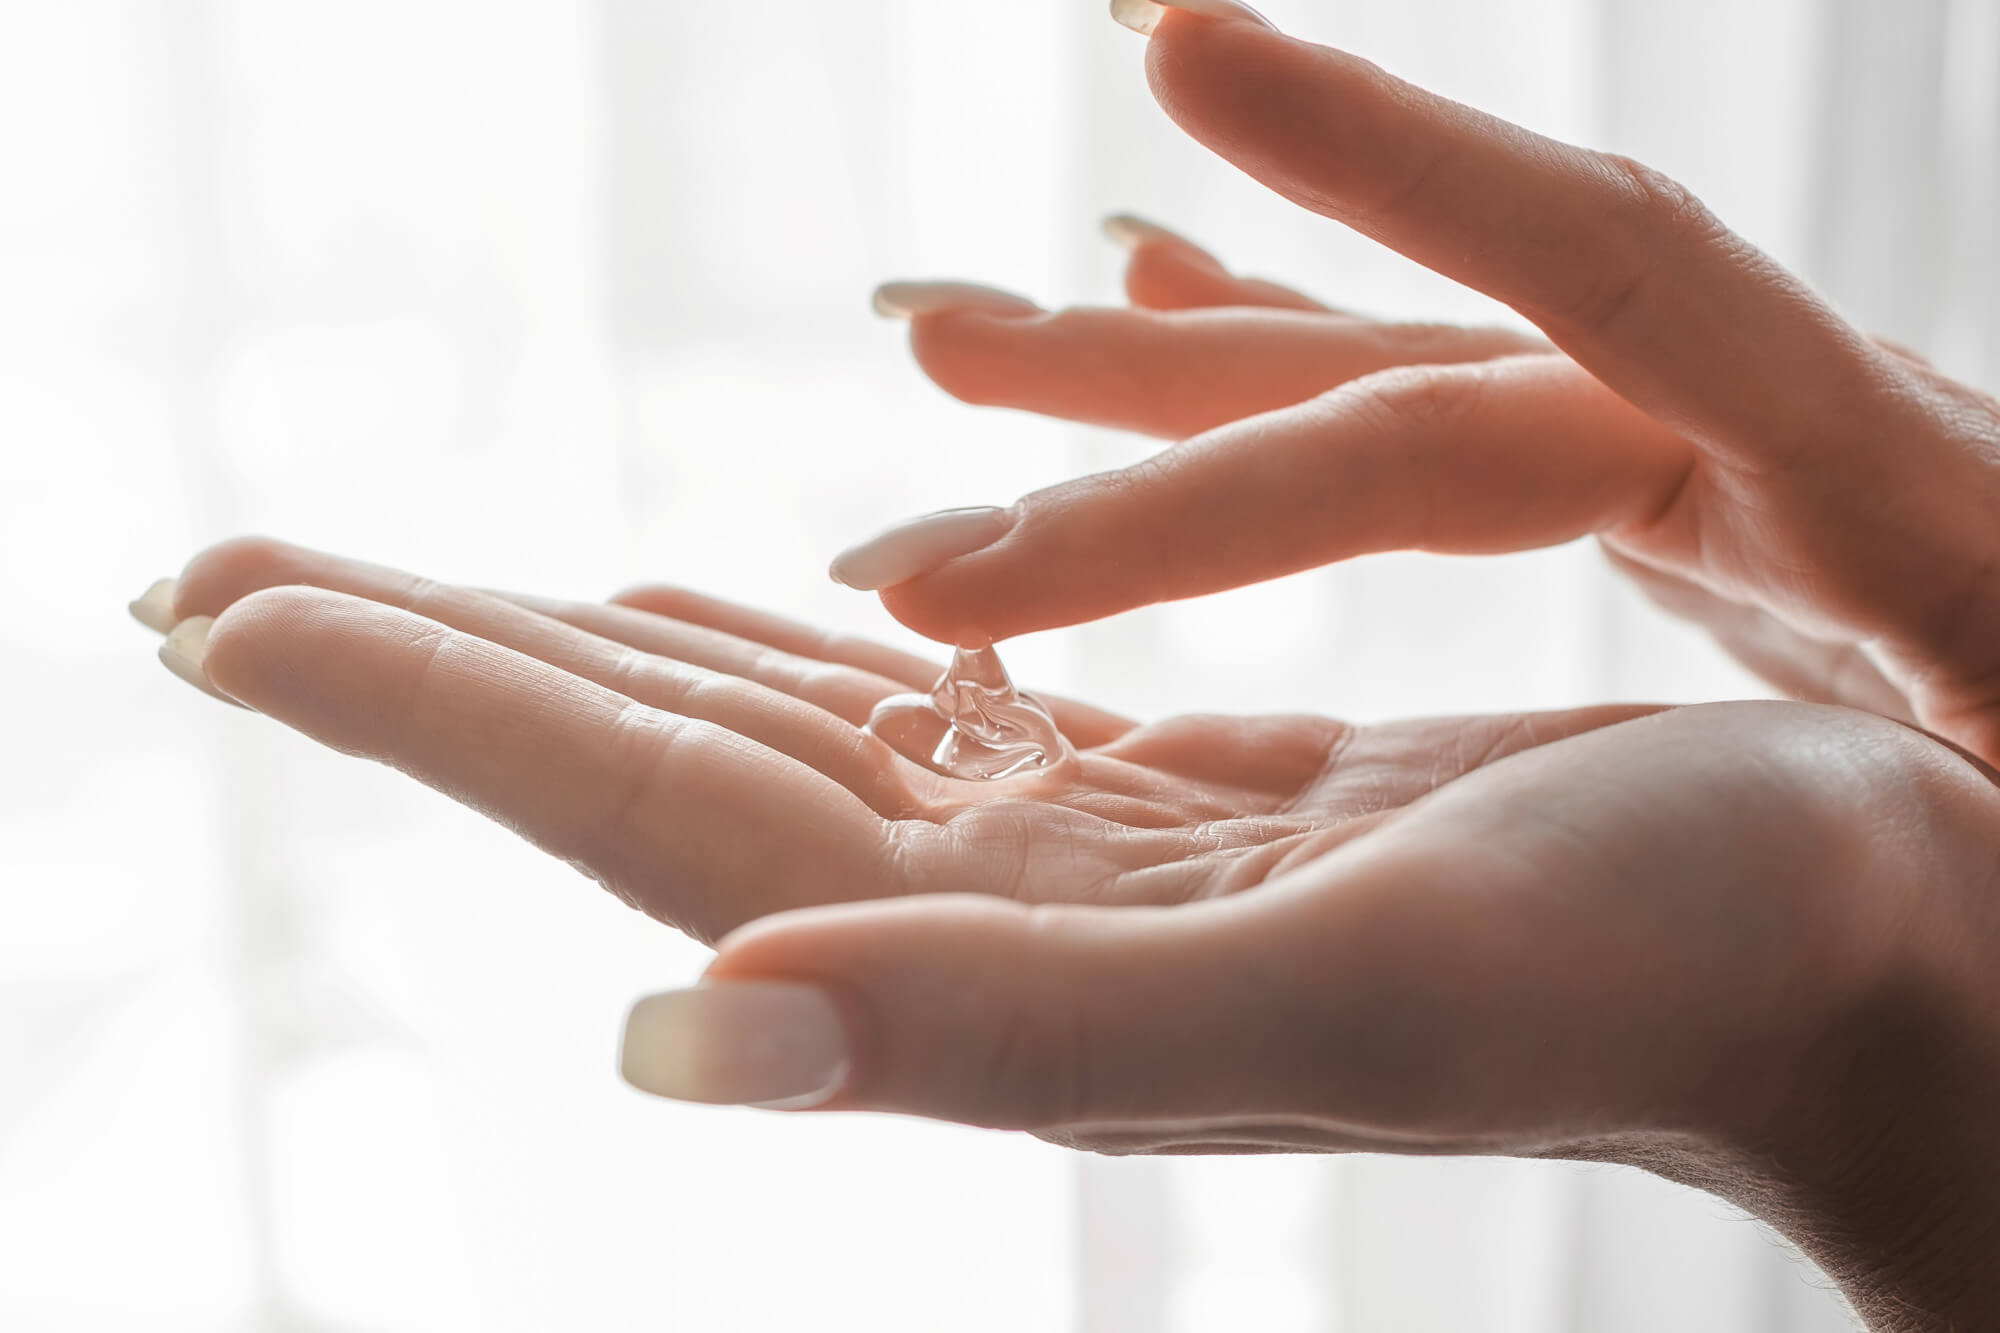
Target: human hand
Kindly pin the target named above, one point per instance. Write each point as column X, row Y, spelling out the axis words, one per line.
column 707, row 763
column 1824, row 503
column 1747, row 947
column 1213, row 934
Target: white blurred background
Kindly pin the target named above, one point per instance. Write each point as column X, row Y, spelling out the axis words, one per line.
column 563, row 294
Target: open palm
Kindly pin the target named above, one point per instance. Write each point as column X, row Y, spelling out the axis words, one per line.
column 706, row 762
column 1671, row 937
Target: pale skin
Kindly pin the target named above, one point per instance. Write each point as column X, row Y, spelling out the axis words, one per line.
column 1752, row 946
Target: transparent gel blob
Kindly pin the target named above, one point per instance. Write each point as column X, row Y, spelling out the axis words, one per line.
column 974, row 724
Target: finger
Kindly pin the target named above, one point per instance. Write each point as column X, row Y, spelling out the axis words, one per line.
column 1220, row 1020
column 756, row 627
column 1622, row 268
column 1167, row 271
column 698, row 826
column 1085, row 725
column 1175, row 374
column 848, row 690
column 785, row 721
column 1498, row 456
column 985, row 1012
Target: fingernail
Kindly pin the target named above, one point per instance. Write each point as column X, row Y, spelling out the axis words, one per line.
column 1129, row 231
column 185, row 653
column 186, row 650
column 1144, row 15
column 901, row 300
column 743, row 1043
column 155, row 607
column 919, row 546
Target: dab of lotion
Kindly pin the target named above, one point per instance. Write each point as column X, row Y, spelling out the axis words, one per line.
column 974, row 724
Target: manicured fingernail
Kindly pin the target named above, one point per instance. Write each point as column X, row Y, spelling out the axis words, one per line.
column 901, row 300
column 743, row 1043
column 185, row 653
column 919, row 546
column 1144, row 15
column 1130, row 231
column 155, row 607
column 186, row 650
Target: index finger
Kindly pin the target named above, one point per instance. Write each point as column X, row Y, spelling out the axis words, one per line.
column 1622, row 267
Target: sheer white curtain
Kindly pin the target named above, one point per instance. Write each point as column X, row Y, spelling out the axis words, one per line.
column 565, row 293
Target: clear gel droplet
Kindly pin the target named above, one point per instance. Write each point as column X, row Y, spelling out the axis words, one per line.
column 974, row 724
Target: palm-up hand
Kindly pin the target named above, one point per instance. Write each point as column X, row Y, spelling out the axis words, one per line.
column 706, row 762
column 1459, row 899
column 1686, row 938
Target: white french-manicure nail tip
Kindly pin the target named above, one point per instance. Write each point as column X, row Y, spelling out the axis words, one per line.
column 768, row 1044
column 1144, row 15
column 1131, row 231
column 155, row 607
column 186, row 650
column 1141, row 16
column 919, row 546
column 901, row 300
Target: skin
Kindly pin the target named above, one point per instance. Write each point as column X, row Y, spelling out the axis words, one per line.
column 1821, row 500
column 1749, row 946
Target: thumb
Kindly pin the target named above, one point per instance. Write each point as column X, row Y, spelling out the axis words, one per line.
column 1476, row 458
column 985, row 1012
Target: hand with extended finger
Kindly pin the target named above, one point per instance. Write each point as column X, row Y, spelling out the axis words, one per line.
column 1823, row 502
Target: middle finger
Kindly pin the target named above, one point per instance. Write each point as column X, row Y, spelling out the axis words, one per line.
column 1173, row 374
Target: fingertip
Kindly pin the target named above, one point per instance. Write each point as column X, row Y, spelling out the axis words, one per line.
column 939, row 617
column 994, row 362
column 1072, row 555
column 269, row 641
column 243, row 637
column 154, row 608
column 767, row 1044
column 221, row 574
column 184, row 651
column 1169, row 277
column 1256, row 96
column 959, row 355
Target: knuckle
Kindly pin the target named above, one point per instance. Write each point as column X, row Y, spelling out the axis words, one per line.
column 1410, row 424
column 641, row 752
column 1656, row 224
column 1421, row 344
column 1421, row 400
column 1653, row 200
